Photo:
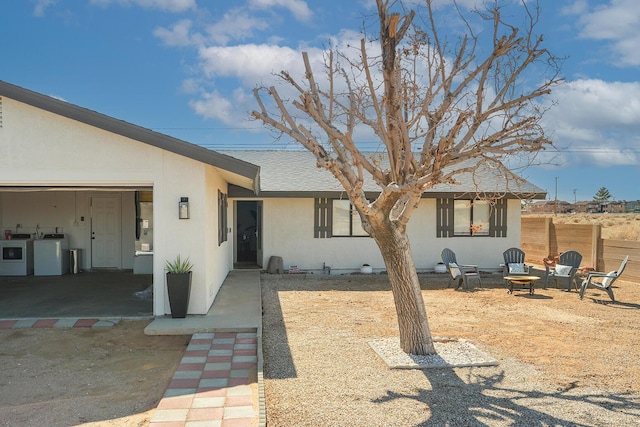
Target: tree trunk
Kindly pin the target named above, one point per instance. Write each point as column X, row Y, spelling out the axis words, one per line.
column 415, row 335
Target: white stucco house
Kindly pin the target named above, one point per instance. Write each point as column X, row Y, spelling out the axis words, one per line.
column 113, row 189
column 305, row 217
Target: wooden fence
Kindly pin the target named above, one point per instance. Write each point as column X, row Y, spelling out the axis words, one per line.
column 541, row 238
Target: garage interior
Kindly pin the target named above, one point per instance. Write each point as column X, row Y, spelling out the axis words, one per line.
column 70, row 252
column 86, row 294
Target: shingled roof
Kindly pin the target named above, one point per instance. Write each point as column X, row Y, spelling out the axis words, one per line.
column 286, row 173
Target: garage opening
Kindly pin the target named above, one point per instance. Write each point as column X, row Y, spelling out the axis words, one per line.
column 80, row 251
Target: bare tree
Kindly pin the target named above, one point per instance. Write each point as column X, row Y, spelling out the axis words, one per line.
column 438, row 109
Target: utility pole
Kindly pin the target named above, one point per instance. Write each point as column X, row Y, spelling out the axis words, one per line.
column 574, row 196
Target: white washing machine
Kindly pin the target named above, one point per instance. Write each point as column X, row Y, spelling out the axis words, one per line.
column 51, row 255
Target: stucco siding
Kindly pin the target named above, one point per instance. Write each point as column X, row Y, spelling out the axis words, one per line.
column 288, row 232
column 181, row 177
column 220, row 257
column 483, row 251
column 42, row 148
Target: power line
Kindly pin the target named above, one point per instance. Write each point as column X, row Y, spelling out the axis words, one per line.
column 378, row 143
column 236, row 144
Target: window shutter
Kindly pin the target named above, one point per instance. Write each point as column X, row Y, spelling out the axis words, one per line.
column 322, row 218
column 225, row 210
column 444, row 217
column 222, row 217
column 498, row 219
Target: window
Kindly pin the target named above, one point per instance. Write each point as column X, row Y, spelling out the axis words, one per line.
column 458, row 217
column 471, row 218
column 346, row 220
column 336, row 218
column 222, row 217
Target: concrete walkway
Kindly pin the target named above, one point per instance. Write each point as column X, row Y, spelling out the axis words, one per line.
column 237, row 308
column 219, row 381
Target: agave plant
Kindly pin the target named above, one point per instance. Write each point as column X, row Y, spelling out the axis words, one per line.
column 179, row 265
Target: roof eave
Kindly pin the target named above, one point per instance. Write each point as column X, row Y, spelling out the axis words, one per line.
column 237, row 192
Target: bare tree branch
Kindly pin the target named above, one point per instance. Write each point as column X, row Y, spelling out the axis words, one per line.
column 439, row 109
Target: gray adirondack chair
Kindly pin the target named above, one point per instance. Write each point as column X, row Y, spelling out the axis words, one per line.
column 603, row 280
column 514, row 256
column 566, row 269
column 460, row 273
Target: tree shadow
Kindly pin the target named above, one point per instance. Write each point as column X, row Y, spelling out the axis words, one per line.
column 482, row 401
column 275, row 342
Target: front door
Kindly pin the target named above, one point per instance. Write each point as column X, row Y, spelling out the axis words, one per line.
column 105, row 232
column 248, row 233
column 259, row 233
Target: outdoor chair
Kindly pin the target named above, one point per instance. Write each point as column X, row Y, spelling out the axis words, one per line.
column 514, row 263
column 460, row 273
column 565, row 269
column 603, row 280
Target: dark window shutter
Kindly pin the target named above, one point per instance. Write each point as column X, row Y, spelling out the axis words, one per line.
column 225, row 210
column 498, row 219
column 444, row 217
column 322, row 218
column 222, row 217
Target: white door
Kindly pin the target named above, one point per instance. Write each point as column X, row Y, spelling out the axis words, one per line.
column 105, row 232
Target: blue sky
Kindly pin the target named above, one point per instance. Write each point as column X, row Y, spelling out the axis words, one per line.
column 187, row 68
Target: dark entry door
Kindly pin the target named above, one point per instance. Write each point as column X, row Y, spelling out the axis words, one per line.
column 249, row 233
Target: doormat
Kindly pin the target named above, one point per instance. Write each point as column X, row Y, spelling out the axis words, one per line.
column 450, row 353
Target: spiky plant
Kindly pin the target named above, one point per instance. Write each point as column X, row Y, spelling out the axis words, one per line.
column 179, row 265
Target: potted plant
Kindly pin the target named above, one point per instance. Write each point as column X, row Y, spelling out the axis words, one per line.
column 179, row 286
column 366, row 269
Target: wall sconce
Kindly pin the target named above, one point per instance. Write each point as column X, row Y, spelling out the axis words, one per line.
column 183, row 208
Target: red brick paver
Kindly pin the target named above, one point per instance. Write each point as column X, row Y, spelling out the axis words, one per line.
column 215, row 383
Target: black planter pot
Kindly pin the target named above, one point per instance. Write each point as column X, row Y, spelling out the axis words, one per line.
column 179, row 289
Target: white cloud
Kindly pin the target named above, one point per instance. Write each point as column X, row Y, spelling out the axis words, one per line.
column 41, row 5
column 578, row 7
column 166, row 5
column 178, row 35
column 596, row 102
column 212, row 105
column 298, row 8
column 250, row 63
column 232, row 110
column 597, row 121
column 236, row 24
column 616, row 22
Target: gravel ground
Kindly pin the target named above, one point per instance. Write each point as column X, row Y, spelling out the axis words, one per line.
column 562, row 361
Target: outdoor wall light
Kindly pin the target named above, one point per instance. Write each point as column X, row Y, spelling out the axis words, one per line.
column 183, row 208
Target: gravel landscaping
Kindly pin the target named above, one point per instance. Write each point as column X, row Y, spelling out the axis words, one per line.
column 561, row 361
